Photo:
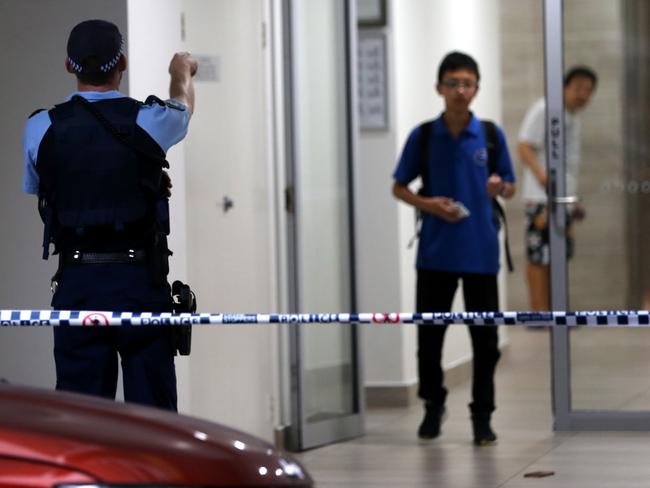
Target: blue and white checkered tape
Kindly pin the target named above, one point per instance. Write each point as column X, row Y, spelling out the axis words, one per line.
column 593, row 318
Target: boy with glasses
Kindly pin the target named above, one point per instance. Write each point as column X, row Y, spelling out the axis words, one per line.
column 459, row 236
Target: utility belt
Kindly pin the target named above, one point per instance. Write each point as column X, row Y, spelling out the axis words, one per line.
column 122, row 257
column 78, row 258
column 183, row 299
column 155, row 258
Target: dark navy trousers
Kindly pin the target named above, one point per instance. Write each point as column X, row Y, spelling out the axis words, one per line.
column 435, row 293
column 87, row 357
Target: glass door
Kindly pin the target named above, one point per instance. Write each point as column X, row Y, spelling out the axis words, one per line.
column 600, row 379
column 326, row 403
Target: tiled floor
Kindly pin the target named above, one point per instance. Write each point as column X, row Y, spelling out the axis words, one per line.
column 390, row 455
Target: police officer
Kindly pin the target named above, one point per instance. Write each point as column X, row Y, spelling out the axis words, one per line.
column 96, row 163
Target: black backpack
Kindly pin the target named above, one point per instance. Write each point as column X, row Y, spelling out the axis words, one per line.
column 492, row 142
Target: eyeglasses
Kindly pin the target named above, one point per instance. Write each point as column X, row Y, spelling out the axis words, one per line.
column 455, row 84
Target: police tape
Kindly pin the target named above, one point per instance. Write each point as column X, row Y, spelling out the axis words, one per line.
column 605, row 318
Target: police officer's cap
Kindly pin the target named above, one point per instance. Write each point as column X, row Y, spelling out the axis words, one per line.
column 98, row 40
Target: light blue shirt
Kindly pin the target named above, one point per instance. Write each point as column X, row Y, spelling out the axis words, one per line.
column 164, row 124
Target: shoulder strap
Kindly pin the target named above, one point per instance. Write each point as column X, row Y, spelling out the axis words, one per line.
column 116, row 133
column 501, row 215
column 423, row 145
column 492, row 142
column 151, row 99
column 422, row 150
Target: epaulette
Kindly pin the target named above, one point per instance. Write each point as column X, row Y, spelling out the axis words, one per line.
column 151, row 99
column 35, row 112
column 175, row 105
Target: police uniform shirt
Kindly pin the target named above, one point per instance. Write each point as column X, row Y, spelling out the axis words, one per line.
column 166, row 124
column 457, row 168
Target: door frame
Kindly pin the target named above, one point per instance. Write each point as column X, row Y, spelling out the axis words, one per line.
column 565, row 417
column 299, row 434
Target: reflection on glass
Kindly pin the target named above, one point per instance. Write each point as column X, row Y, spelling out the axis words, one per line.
column 322, row 210
column 610, row 268
column 609, row 367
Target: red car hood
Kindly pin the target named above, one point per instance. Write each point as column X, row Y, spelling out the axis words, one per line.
column 125, row 443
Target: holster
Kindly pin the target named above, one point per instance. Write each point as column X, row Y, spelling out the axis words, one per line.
column 183, row 301
column 159, row 259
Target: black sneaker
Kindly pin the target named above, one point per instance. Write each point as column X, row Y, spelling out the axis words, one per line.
column 483, row 433
column 430, row 426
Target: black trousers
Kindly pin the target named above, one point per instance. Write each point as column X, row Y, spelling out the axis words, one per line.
column 87, row 357
column 435, row 293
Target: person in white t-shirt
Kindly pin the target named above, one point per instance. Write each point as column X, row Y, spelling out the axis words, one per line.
column 579, row 85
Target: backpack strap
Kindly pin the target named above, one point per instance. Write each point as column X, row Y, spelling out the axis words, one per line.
column 423, row 149
column 501, row 215
column 491, row 136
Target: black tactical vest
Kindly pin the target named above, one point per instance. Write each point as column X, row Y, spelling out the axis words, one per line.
column 97, row 193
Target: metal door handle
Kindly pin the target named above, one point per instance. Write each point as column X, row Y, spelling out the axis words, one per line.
column 566, row 200
column 226, row 204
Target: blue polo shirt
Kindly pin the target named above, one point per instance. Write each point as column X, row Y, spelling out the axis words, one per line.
column 167, row 125
column 457, row 168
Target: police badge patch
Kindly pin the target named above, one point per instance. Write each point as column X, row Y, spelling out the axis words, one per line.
column 481, row 156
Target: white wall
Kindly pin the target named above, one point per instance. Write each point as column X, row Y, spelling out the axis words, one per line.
column 420, row 33
column 387, row 349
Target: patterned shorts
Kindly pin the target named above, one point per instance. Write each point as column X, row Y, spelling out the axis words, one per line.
column 537, row 235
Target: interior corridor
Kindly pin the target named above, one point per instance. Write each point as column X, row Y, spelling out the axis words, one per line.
column 390, row 454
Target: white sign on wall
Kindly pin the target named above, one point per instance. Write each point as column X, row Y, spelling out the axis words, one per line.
column 209, row 68
column 373, row 98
